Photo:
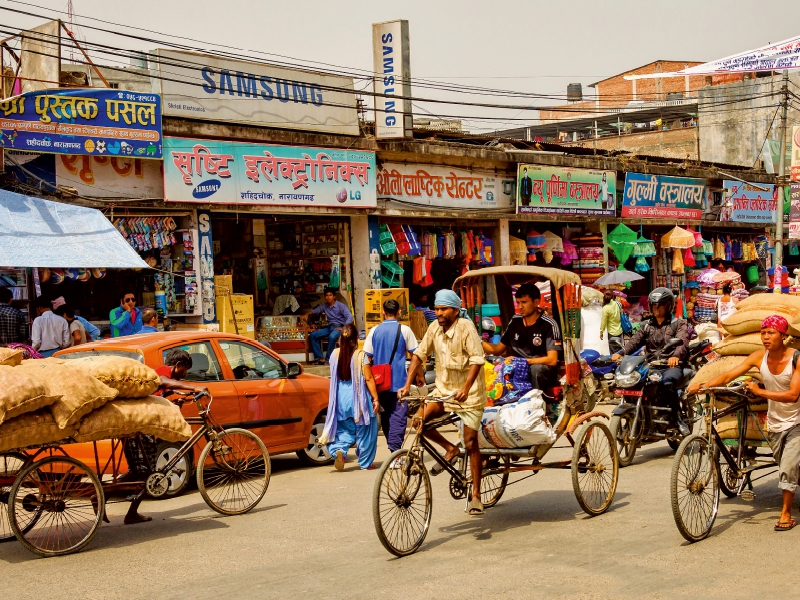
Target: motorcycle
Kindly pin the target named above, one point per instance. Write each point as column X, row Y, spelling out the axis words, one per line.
column 637, row 380
column 599, row 370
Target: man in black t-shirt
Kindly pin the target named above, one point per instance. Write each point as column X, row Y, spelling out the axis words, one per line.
column 532, row 335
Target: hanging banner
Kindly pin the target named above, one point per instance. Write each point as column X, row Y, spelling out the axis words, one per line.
column 795, row 162
column 662, row 197
column 565, row 191
column 86, row 121
column 391, row 63
column 794, row 215
column 199, row 86
column 208, row 296
column 749, row 202
column 444, row 187
column 215, row 172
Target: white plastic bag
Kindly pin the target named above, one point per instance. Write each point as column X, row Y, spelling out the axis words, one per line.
column 518, row 425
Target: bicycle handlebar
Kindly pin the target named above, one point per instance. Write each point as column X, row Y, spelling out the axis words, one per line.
column 427, row 399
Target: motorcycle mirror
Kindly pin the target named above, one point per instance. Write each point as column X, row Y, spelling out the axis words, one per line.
column 673, row 343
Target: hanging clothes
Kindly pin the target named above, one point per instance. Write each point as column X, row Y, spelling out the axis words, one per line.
column 422, row 272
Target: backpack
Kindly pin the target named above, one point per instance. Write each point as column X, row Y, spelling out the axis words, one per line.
column 624, row 320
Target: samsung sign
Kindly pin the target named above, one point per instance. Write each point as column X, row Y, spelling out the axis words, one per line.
column 391, row 59
column 198, row 86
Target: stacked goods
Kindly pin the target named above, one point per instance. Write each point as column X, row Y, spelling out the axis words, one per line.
column 32, row 429
column 129, row 377
column 9, row 357
column 751, row 311
column 152, row 415
column 705, row 308
column 591, row 264
column 518, row 425
column 21, row 392
column 719, row 366
column 728, row 426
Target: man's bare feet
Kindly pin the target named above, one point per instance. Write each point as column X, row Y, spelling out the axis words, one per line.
column 133, row 519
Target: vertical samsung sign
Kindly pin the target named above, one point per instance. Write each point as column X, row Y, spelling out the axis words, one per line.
column 206, row 280
column 391, row 59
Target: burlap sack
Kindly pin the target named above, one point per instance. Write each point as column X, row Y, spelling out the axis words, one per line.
column 129, row 377
column 80, row 393
column 32, row 429
column 152, row 415
column 728, row 427
column 747, row 321
column 719, row 366
column 739, row 345
column 778, row 302
column 21, row 392
column 10, row 357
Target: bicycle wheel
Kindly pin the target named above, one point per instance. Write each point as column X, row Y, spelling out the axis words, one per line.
column 233, row 472
column 595, row 468
column 402, row 503
column 694, row 488
column 621, row 426
column 494, row 479
column 729, row 480
column 56, row 506
column 11, row 464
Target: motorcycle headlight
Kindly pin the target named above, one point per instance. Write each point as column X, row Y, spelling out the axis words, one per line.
column 629, row 380
column 608, row 376
column 654, row 377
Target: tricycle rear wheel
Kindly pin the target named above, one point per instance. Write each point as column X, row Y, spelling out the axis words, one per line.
column 11, row 463
column 595, row 468
column 621, row 427
column 494, row 479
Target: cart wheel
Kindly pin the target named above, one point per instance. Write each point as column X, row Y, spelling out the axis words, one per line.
column 595, row 468
column 694, row 488
column 729, row 481
column 494, row 479
column 620, row 427
column 402, row 503
column 56, row 506
column 11, row 464
column 233, row 472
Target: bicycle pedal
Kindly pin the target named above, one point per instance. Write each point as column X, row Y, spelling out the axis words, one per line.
column 748, row 496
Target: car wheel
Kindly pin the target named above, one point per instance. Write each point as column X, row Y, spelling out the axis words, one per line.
column 182, row 475
column 316, row 454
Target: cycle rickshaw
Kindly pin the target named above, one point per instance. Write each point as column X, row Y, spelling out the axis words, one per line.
column 402, row 496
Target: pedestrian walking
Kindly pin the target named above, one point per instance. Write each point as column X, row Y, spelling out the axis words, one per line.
column 50, row 333
column 126, row 319
column 611, row 320
column 352, row 403
column 13, row 324
column 386, row 347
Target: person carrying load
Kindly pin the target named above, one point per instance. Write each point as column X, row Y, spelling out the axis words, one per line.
column 778, row 366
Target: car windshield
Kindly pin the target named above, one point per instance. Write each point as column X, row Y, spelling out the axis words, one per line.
column 123, row 353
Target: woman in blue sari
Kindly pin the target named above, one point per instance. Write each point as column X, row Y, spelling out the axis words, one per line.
column 352, row 404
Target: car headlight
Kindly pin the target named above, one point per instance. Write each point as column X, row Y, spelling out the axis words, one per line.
column 629, row 380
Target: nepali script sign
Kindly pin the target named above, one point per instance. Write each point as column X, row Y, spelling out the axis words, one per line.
column 209, row 171
column 565, row 191
column 98, row 122
column 658, row 196
column 444, row 187
column 749, row 202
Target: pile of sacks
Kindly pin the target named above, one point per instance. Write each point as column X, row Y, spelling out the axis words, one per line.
column 84, row 399
column 744, row 337
column 518, row 425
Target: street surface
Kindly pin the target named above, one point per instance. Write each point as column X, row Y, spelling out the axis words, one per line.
column 312, row 537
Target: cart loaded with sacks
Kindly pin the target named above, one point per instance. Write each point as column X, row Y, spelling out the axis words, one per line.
column 64, row 425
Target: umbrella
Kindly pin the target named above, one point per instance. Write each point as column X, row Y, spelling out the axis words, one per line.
column 678, row 238
column 618, row 277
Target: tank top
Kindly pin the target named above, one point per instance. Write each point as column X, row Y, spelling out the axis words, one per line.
column 780, row 415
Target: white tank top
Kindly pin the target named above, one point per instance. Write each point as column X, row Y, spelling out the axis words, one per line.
column 780, row 415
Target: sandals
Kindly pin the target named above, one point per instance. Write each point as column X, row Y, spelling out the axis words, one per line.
column 475, row 508
column 338, row 464
column 320, row 362
column 437, row 468
column 784, row 526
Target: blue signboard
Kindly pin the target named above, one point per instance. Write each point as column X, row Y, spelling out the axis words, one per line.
column 662, row 197
column 749, row 202
column 97, row 122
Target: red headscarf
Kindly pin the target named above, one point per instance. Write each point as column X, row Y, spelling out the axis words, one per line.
column 777, row 323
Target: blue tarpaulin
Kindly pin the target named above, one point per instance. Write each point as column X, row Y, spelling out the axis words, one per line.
column 41, row 233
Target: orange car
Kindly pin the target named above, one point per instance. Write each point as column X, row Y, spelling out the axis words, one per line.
column 252, row 387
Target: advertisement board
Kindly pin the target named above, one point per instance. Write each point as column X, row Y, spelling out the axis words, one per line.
column 662, row 197
column 216, row 172
column 83, row 121
column 110, row 176
column 794, row 212
column 391, row 60
column 794, row 173
column 749, row 202
column 198, row 86
column 566, row 191
column 444, row 187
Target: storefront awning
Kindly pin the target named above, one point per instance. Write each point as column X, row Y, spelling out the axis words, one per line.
column 40, row 233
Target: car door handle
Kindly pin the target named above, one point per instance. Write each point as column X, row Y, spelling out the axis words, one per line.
column 251, row 395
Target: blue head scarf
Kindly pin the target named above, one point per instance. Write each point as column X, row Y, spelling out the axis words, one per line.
column 451, row 299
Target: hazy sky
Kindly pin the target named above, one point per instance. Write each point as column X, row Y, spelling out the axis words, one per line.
column 527, row 46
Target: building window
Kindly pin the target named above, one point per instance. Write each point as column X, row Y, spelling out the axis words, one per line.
column 114, row 85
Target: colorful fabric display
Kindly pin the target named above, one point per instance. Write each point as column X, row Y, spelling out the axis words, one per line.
column 570, row 253
column 535, row 240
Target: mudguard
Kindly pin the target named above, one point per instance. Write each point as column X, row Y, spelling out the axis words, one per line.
column 623, row 409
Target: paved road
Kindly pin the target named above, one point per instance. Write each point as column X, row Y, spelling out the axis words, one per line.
column 312, row 537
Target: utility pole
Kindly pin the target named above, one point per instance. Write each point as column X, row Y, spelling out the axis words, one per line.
column 781, row 184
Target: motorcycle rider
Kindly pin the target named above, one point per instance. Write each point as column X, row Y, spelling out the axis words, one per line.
column 653, row 334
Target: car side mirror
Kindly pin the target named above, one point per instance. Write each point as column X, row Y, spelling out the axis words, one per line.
column 293, row 369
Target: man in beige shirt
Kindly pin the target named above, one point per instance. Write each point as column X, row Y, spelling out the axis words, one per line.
column 459, row 372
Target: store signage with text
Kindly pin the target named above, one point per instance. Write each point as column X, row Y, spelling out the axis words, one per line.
column 749, row 202
column 391, row 60
column 662, row 197
column 565, row 191
column 111, row 176
column 98, row 122
column 794, row 212
column 795, row 163
column 215, row 172
column 198, row 86
column 444, row 187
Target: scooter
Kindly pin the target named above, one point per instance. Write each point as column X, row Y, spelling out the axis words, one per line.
column 639, row 418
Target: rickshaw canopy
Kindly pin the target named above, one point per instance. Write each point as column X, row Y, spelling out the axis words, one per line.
column 520, row 274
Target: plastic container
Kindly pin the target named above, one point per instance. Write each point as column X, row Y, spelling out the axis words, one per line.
column 490, row 310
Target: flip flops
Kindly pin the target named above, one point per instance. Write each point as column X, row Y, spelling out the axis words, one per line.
column 338, row 464
column 475, row 508
column 784, row 526
column 437, row 468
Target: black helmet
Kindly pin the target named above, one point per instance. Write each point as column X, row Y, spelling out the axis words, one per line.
column 662, row 295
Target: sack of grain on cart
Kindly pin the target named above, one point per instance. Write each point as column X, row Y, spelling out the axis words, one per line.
column 87, row 399
column 521, row 424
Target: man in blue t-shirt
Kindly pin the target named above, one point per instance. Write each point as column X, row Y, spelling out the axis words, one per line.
column 378, row 347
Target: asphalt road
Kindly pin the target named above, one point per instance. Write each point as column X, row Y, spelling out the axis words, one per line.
column 312, row 536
